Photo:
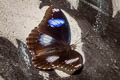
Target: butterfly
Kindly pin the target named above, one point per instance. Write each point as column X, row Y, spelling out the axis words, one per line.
column 50, row 43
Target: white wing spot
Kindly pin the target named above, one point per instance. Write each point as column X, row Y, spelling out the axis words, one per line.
column 78, row 65
column 55, row 10
column 71, row 60
column 52, row 58
column 61, row 66
column 49, row 68
column 43, row 68
column 46, row 40
column 53, row 66
column 39, row 67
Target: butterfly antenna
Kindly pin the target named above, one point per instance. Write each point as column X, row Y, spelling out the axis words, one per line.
column 85, row 37
column 81, row 37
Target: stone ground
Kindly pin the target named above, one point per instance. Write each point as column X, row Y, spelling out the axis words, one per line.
column 100, row 48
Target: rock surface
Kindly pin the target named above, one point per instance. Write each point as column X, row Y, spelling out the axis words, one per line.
column 101, row 46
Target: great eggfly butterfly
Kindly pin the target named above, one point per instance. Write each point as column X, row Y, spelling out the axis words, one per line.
column 50, row 43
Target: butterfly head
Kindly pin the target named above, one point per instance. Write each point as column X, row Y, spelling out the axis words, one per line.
column 73, row 46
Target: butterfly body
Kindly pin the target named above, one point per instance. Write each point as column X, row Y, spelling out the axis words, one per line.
column 50, row 43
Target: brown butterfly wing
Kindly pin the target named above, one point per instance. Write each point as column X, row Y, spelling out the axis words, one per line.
column 35, row 44
column 44, row 61
column 49, row 44
column 69, row 62
column 60, row 35
column 66, row 61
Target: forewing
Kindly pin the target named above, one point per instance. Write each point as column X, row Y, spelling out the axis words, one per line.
column 39, row 42
column 56, row 25
column 52, row 31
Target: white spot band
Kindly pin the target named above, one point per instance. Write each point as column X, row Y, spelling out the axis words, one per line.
column 52, row 58
column 46, row 40
column 71, row 60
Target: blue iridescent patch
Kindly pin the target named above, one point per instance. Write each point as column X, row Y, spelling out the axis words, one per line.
column 56, row 22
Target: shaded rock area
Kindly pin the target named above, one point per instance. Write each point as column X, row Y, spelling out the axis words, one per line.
column 101, row 45
column 13, row 64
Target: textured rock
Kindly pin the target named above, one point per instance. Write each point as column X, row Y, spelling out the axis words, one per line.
column 101, row 45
